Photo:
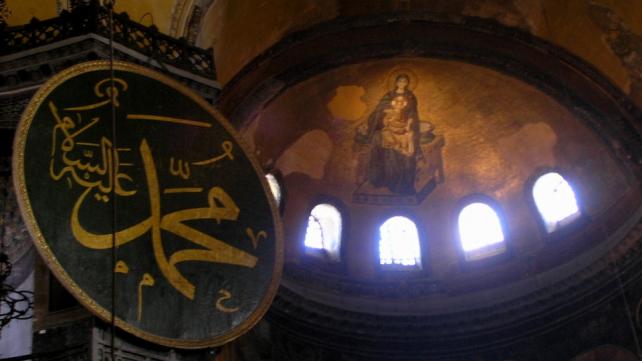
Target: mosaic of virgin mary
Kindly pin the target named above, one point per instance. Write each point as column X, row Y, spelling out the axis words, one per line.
column 395, row 136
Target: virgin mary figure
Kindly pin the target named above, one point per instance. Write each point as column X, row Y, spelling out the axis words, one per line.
column 392, row 131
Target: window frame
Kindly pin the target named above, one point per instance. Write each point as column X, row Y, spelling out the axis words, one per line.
column 395, row 270
column 492, row 259
column 565, row 230
column 318, row 258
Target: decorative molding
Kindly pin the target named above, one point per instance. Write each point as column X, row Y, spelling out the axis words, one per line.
column 181, row 7
column 21, row 74
column 4, row 13
column 483, row 329
column 94, row 19
column 193, row 25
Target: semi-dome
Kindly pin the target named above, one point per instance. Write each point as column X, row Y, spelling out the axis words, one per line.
column 457, row 180
column 480, row 186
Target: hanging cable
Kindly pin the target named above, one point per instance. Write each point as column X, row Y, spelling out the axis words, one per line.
column 627, row 308
column 629, row 315
column 112, row 93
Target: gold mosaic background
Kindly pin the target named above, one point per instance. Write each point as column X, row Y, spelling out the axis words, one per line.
column 499, row 133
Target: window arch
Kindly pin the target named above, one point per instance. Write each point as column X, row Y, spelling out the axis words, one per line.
column 323, row 232
column 399, row 243
column 555, row 201
column 480, row 231
column 275, row 188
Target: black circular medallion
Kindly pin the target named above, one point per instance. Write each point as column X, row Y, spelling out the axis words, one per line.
column 165, row 186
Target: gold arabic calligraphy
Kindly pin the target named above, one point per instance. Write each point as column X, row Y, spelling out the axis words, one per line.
column 104, row 175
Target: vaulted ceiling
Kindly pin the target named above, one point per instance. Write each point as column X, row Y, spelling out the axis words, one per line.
column 513, row 88
column 605, row 33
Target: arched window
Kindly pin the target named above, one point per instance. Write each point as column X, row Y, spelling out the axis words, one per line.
column 480, row 231
column 275, row 187
column 555, row 201
column 324, row 231
column 399, row 243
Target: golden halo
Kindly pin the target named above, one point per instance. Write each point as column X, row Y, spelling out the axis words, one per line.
column 395, row 72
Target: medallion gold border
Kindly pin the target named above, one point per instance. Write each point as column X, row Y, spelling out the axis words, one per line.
column 50, row 259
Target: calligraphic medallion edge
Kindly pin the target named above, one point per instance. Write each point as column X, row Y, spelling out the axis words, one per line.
column 50, row 259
